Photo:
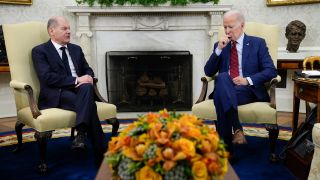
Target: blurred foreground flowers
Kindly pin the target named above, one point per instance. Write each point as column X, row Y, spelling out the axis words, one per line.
column 167, row 145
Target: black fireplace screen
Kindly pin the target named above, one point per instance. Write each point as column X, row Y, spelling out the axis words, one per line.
column 142, row 81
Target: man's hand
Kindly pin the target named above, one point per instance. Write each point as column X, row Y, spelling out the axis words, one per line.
column 240, row 81
column 223, row 42
column 84, row 79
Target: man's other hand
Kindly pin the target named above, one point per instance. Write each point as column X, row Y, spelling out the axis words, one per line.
column 240, row 81
column 84, row 79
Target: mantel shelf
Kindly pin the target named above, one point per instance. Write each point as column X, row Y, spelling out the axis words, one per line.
column 196, row 8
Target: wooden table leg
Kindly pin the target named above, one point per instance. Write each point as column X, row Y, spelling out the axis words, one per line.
column 296, row 105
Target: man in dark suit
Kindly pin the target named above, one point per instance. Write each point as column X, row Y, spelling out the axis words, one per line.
column 66, row 81
column 244, row 65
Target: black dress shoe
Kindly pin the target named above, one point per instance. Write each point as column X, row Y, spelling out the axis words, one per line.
column 79, row 142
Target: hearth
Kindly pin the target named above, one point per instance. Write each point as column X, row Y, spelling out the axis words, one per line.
column 142, row 81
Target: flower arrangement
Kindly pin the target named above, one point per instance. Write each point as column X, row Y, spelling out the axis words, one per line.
column 167, row 145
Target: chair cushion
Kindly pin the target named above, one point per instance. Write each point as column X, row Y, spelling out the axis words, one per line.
column 50, row 119
column 257, row 112
column 55, row 118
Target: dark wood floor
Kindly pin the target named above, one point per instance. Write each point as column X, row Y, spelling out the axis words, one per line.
column 284, row 119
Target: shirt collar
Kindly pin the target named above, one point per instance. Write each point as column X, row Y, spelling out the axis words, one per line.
column 58, row 46
column 240, row 39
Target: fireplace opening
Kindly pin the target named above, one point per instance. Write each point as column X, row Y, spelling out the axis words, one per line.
column 142, row 81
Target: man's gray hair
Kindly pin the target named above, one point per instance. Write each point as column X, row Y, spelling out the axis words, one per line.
column 238, row 13
column 52, row 22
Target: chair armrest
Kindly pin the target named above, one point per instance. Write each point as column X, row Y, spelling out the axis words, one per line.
column 205, row 80
column 32, row 102
column 272, row 90
column 96, row 91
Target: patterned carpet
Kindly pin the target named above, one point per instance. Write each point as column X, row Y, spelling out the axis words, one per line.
column 9, row 138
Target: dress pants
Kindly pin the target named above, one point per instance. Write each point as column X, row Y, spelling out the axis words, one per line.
column 81, row 100
column 227, row 96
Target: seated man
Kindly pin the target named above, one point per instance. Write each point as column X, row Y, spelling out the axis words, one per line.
column 66, row 81
column 244, row 65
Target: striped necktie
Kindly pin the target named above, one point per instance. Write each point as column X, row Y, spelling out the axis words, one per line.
column 234, row 62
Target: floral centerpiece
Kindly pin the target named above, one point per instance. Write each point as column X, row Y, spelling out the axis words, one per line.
column 167, row 145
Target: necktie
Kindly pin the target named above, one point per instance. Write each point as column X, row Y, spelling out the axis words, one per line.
column 234, row 62
column 65, row 60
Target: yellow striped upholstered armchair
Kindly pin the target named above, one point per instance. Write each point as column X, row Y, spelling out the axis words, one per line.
column 19, row 40
column 314, row 173
column 257, row 112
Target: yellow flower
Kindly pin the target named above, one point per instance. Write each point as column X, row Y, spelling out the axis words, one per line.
column 186, row 146
column 115, row 145
column 147, row 173
column 199, row 171
column 168, row 153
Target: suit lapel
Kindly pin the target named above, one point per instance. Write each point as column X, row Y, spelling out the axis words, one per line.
column 73, row 58
column 245, row 51
column 228, row 56
column 54, row 54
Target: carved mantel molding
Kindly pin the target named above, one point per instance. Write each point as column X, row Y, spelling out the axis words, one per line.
column 206, row 17
column 202, row 8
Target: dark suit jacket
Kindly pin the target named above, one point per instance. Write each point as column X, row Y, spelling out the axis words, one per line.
column 52, row 73
column 256, row 64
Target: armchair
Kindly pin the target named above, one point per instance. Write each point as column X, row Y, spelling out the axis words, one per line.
column 314, row 172
column 19, row 40
column 257, row 112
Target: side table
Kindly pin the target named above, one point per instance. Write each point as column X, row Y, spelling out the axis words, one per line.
column 307, row 89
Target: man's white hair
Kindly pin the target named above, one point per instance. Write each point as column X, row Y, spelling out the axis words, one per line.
column 238, row 13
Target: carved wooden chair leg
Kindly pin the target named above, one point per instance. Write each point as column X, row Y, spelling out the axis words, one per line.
column 42, row 138
column 72, row 133
column 273, row 130
column 115, row 125
column 18, row 128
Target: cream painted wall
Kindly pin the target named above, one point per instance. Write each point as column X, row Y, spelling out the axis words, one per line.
column 254, row 10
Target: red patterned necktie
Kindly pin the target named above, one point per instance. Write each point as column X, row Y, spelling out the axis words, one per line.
column 234, row 62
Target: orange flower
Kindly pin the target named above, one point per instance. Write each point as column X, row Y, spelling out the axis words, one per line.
column 168, row 165
column 168, row 153
column 151, row 118
column 164, row 113
column 199, row 171
column 115, row 145
column 128, row 129
column 147, row 173
column 186, row 146
column 192, row 132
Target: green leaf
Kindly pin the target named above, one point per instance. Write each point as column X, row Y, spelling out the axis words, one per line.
column 108, row 3
column 114, row 159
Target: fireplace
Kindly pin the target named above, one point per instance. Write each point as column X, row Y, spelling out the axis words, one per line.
column 142, row 81
column 193, row 27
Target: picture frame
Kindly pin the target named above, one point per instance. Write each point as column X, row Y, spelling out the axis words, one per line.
column 290, row 2
column 23, row 2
